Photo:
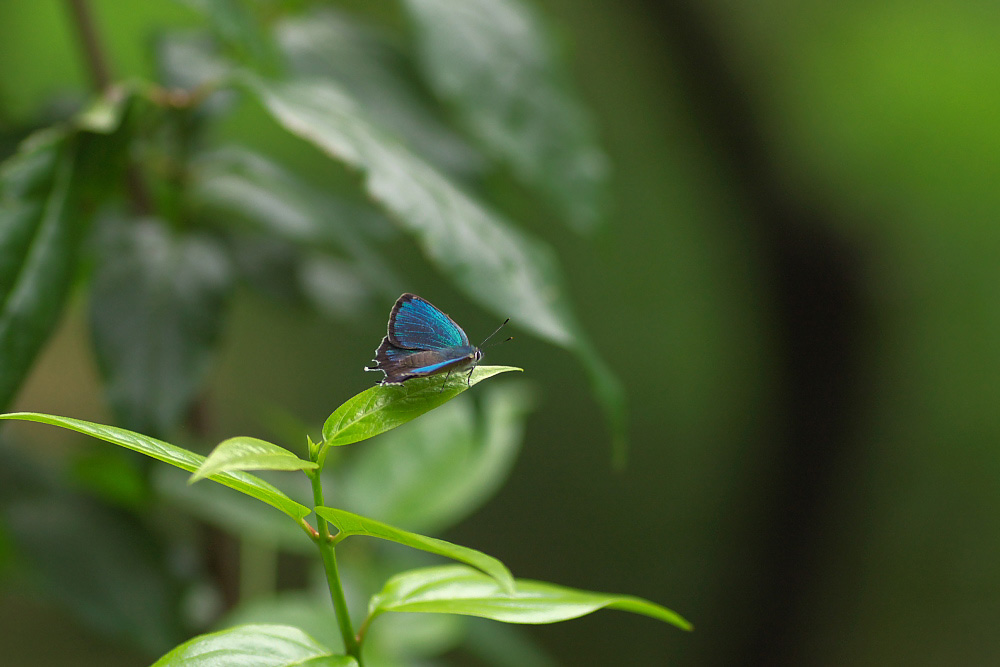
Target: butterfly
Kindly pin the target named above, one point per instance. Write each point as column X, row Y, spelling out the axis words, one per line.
column 423, row 341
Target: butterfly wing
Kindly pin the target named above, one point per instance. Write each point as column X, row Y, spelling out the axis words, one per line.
column 400, row 364
column 415, row 324
column 421, row 341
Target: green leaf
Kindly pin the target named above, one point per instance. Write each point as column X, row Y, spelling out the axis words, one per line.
column 484, row 255
column 399, row 639
column 352, row 524
column 172, row 454
column 235, row 513
column 39, row 239
column 324, row 43
column 47, row 192
column 246, row 453
column 385, row 407
column 307, row 610
column 43, row 218
column 456, row 589
column 254, row 646
column 235, row 188
column 236, row 26
column 431, row 474
column 493, row 61
column 101, row 564
column 498, row 644
column 156, row 310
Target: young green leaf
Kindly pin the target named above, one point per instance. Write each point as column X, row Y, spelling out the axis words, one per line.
column 385, row 407
column 488, row 258
column 456, row 589
column 156, row 310
column 246, row 453
column 493, row 62
column 440, row 469
column 352, row 524
column 254, row 646
column 172, row 454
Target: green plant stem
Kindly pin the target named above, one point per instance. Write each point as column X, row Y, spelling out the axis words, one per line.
column 328, row 552
column 99, row 68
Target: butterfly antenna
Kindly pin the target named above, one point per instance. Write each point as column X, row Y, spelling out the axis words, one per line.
column 495, row 333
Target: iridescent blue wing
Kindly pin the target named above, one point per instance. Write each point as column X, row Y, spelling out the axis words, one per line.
column 421, row 341
column 415, row 324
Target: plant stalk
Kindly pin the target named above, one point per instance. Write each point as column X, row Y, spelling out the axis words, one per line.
column 328, row 552
column 99, row 69
column 97, row 63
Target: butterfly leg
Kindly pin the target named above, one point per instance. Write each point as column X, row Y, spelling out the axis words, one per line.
column 468, row 378
column 446, row 378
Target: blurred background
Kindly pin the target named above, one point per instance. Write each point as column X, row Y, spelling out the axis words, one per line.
column 795, row 282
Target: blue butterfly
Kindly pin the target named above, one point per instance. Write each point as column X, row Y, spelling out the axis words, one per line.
column 423, row 341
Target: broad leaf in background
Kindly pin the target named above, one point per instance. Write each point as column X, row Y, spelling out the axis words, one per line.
column 349, row 524
column 497, row 644
column 457, row 589
column 242, row 191
column 398, row 639
column 436, row 471
column 493, row 61
column 254, row 646
column 484, row 255
column 156, row 312
column 44, row 214
column 332, row 45
column 246, row 453
column 189, row 60
column 308, row 610
column 101, row 565
column 172, row 454
column 234, row 513
column 236, row 26
column 384, row 407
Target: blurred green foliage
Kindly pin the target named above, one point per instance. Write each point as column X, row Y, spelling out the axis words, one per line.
column 881, row 116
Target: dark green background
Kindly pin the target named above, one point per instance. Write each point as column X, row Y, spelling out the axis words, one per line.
column 861, row 141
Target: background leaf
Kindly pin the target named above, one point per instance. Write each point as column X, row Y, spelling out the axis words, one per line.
column 243, row 191
column 236, row 26
column 481, row 253
column 384, row 407
column 254, row 646
column 176, row 456
column 156, row 311
column 39, row 239
column 349, row 524
column 101, row 565
column 492, row 61
column 44, row 214
column 456, row 589
column 234, row 513
column 324, row 43
column 397, row 641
